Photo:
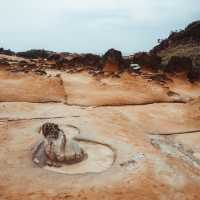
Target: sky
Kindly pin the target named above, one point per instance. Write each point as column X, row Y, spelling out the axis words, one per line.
column 93, row 26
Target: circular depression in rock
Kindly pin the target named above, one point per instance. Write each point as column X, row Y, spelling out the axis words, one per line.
column 100, row 158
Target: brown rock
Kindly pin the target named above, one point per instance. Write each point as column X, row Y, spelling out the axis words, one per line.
column 113, row 61
column 194, row 74
column 178, row 64
column 76, row 60
column 146, row 59
column 190, row 34
column 34, row 54
column 7, row 52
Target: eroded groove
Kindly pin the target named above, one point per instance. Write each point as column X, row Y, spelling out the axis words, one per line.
column 175, row 133
column 129, row 104
column 26, row 119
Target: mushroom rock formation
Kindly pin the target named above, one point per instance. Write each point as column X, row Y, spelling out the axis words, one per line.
column 112, row 61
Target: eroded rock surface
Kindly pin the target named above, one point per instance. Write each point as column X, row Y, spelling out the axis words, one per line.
column 141, row 170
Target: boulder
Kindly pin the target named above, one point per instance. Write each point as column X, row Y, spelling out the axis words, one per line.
column 112, row 61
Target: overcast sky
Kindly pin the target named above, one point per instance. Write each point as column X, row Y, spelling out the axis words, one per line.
column 92, row 25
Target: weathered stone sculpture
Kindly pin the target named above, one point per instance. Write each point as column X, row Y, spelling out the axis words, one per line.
column 56, row 149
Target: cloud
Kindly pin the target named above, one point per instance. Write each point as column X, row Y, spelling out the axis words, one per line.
column 91, row 25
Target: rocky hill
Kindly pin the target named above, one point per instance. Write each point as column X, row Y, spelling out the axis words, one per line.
column 181, row 51
column 190, row 35
column 178, row 53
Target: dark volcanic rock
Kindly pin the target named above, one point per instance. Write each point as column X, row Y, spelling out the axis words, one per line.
column 178, row 64
column 113, row 61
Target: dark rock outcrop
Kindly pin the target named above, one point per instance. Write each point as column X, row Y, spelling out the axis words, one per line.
column 190, row 34
column 113, row 61
column 194, row 74
column 181, row 51
column 34, row 54
column 7, row 52
column 75, row 60
column 178, row 64
column 196, row 60
column 146, row 59
column 89, row 60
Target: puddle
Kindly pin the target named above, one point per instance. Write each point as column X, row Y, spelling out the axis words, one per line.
column 100, row 158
